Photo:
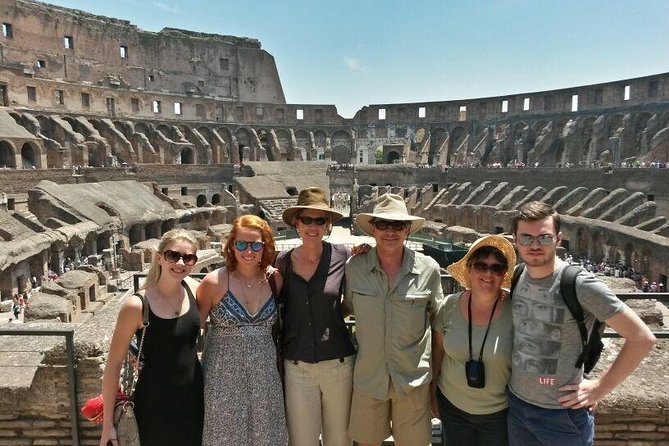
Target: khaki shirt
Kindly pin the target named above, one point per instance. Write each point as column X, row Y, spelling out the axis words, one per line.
column 392, row 321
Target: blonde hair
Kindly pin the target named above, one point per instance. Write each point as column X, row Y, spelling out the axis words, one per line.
column 260, row 225
column 171, row 236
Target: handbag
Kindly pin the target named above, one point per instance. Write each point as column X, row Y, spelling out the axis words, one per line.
column 125, row 423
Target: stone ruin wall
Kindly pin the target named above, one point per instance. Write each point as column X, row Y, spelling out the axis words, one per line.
column 178, row 61
column 615, row 226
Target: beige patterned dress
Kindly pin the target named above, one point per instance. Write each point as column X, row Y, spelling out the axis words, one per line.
column 243, row 398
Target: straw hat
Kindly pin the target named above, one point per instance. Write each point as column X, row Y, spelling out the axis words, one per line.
column 389, row 207
column 310, row 198
column 460, row 271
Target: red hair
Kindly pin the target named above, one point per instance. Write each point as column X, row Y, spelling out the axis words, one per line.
column 251, row 222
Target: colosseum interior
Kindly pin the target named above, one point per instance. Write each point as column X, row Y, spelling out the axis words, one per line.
column 111, row 135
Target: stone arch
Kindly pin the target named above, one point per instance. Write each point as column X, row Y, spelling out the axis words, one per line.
column 521, row 141
column 285, row 146
column 29, row 156
column 320, row 141
column 167, row 131
column 244, row 139
column 597, row 253
column 303, row 142
column 7, row 154
column 439, row 135
column 186, row 156
column 614, row 122
column 582, row 247
column 201, row 200
column 143, row 128
column 587, row 149
column 265, row 138
column 640, row 125
column 135, row 234
column 393, row 155
column 216, row 199
column 341, row 155
column 458, row 135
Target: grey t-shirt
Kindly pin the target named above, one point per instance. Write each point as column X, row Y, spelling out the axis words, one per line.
column 547, row 342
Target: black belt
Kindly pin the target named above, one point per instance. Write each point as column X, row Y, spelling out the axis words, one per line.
column 296, row 361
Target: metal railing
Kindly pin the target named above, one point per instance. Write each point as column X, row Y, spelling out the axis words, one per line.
column 68, row 333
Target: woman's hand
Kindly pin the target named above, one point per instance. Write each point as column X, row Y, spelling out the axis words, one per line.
column 108, row 436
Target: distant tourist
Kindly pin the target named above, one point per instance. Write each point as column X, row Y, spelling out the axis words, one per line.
column 550, row 401
column 472, row 356
column 169, row 392
column 394, row 293
column 243, row 394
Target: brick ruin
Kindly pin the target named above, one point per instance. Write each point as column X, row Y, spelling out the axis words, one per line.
column 111, row 135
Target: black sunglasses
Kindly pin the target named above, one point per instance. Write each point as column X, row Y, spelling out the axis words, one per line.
column 242, row 245
column 174, row 256
column 320, row 221
column 498, row 269
column 396, row 225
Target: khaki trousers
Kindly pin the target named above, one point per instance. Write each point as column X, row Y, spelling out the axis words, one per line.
column 318, row 399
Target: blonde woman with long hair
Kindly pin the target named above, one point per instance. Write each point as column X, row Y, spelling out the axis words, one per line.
column 169, row 393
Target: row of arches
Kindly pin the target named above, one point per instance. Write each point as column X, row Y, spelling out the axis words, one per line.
column 28, row 156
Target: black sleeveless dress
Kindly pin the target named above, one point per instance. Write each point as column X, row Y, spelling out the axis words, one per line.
column 169, row 402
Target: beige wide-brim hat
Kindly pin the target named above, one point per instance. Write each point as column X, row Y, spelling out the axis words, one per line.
column 389, row 207
column 460, row 271
column 310, row 198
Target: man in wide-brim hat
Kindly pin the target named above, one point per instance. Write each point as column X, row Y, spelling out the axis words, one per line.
column 394, row 292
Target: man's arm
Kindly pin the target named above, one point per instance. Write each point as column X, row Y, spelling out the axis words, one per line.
column 437, row 358
column 638, row 342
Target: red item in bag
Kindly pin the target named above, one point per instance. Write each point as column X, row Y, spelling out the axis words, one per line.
column 92, row 409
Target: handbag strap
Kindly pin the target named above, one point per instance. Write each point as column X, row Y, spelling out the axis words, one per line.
column 145, row 323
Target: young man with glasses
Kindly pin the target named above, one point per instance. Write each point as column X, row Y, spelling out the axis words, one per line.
column 550, row 401
column 394, row 293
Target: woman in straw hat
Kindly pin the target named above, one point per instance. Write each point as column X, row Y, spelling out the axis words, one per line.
column 475, row 328
column 317, row 349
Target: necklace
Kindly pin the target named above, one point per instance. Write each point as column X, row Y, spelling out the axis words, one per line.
column 177, row 308
column 254, row 282
column 306, row 259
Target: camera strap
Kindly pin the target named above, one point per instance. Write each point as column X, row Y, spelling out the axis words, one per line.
column 485, row 336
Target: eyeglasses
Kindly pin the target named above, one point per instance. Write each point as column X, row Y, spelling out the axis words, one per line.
column 320, row 221
column 242, row 246
column 527, row 240
column 174, row 256
column 396, row 225
column 498, row 269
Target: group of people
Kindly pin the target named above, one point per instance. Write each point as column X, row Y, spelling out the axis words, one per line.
column 466, row 358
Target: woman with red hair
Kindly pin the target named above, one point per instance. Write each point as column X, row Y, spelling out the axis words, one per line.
column 242, row 390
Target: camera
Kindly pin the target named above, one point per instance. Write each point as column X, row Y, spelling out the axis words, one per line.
column 475, row 374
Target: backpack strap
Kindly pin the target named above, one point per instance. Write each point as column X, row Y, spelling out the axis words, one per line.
column 518, row 270
column 568, row 292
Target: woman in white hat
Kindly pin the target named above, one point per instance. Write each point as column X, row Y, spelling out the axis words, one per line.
column 475, row 328
column 317, row 350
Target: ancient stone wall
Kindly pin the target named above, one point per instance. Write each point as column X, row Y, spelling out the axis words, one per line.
column 170, row 176
column 60, row 43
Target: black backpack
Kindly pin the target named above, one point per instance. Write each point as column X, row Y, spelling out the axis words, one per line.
column 593, row 346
